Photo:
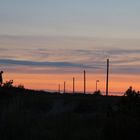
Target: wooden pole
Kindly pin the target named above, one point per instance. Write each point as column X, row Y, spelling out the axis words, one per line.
column 107, row 76
column 64, row 87
column 73, row 85
column 96, row 85
column 58, row 88
column 84, row 82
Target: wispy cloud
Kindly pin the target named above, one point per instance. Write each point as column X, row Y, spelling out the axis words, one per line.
column 74, row 53
column 43, row 64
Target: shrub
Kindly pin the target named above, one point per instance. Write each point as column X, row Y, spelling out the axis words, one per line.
column 98, row 92
column 8, row 84
column 20, row 86
column 130, row 92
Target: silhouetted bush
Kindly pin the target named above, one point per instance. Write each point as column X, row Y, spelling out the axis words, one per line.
column 130, row 92
column 8, row 84
column 130, row 104
column 98, row 93
column 20, row 86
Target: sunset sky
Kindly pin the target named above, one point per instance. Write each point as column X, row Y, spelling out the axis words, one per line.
column 46, row 42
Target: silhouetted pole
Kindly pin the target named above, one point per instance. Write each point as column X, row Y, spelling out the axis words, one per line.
column 59, row 88
column 84, row 82
column 97, row 84
column 107, row 77
column 73, row 85
column 64, row 87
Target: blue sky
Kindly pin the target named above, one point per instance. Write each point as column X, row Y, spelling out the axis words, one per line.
column 89, row 18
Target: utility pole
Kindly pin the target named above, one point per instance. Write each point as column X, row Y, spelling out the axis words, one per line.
column 73, row 85
column 107, row 76
column 97, row 84
column 58, row 88
column 84, row 82
column 64, row 87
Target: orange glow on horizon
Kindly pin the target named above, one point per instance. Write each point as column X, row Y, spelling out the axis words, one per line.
column 117, row 83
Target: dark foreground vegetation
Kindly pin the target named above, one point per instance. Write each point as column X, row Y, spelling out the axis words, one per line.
column 37, row 115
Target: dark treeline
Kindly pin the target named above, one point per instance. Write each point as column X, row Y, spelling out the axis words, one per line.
column 32, row 115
